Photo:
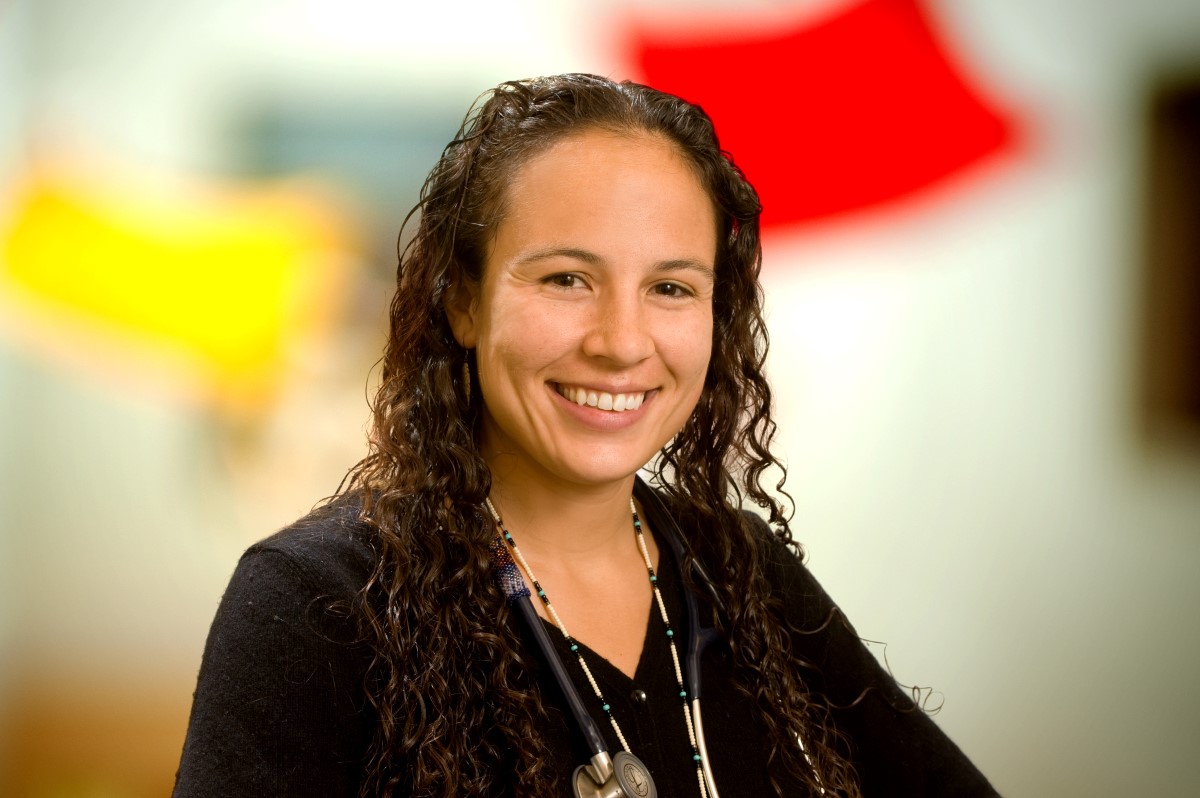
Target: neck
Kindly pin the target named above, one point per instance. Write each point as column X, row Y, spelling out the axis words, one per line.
column 563, row 521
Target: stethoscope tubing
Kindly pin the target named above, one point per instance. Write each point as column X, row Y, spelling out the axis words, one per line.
column 591, row 731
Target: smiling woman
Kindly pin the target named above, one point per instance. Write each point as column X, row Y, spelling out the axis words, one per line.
column 580, row 301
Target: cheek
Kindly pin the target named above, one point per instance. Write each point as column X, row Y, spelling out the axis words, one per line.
column 519, row 344
column 690, row 350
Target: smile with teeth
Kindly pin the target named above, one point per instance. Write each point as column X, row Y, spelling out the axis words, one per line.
column 616, row 402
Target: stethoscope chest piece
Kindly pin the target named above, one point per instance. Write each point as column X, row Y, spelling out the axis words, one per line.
column 627, row 778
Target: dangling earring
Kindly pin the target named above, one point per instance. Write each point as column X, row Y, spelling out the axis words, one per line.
column 466, row 376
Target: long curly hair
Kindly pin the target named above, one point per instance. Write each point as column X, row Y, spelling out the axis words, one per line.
column 458, row 712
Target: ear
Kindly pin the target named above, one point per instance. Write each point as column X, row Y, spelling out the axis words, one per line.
column 461, row 308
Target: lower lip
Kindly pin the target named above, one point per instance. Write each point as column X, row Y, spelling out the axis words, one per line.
column 599, row 419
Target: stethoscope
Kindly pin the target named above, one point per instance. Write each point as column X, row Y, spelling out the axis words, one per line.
column 623, row 775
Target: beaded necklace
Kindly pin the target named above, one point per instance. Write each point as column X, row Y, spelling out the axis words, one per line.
column 575, row 649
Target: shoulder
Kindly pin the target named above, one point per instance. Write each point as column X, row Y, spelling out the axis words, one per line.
column 805, row 601
column 776, row 549
column 771, row 544
column 330, row 549
column 293, row 595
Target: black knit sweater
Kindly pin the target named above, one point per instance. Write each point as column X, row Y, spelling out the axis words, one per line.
column 279, row 708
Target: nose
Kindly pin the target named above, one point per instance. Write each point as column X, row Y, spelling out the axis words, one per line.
column 619, row 330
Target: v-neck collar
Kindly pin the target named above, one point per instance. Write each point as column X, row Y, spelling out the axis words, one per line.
column 655, row 650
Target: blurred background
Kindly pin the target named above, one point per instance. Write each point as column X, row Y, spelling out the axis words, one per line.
column 982, row 268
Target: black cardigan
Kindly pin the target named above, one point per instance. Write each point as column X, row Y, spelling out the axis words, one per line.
column 279, row 707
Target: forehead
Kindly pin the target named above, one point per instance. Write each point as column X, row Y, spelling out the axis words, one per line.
column 598, row 147
column 620, row 191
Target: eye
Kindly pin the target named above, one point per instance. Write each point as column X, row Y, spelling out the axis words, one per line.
column 563, row 280
column 673, row 290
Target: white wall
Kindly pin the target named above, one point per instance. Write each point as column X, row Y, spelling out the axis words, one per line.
column 961, row 427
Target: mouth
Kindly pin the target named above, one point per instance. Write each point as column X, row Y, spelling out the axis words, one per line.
column 602, row 400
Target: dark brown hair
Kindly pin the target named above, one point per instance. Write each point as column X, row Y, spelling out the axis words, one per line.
column 458, row 711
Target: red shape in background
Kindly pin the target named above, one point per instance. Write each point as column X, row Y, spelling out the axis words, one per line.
column 827, row 117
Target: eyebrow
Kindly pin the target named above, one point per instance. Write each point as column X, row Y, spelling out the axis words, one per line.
column 560, row 252
column 686, row 264
column 674, row 265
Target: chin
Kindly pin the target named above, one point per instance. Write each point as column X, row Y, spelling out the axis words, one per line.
column 600, row 473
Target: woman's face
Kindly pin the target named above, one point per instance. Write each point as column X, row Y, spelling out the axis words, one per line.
column 593, row 322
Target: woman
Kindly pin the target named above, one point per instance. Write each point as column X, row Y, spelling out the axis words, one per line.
column 581, row 299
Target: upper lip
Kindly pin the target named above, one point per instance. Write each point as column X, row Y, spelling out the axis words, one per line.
column 626, row 389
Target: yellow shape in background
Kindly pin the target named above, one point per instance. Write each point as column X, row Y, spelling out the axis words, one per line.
column 217, row 279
